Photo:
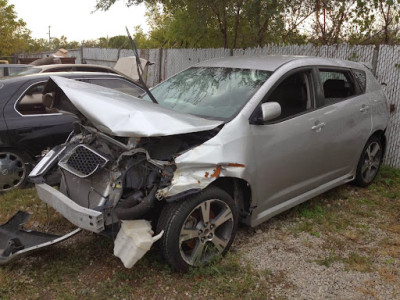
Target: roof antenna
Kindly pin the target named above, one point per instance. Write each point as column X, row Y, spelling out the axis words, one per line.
column 139, row 67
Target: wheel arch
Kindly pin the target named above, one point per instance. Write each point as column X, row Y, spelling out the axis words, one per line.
column 240, row 191
column 381, row 135
column 24, row 152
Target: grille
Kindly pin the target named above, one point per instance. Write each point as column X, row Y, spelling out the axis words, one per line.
column 82, row 161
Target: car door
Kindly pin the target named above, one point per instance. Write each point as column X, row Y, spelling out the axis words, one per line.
column 311, row 148
column 344, row 118
column 30, row 127
column 286, row 149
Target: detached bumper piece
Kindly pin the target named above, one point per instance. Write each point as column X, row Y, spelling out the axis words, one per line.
column 16, row 241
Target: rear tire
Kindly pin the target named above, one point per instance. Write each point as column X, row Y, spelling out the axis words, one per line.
column 370, row 162
column 199, row 229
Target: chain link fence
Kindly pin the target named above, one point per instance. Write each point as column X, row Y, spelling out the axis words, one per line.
column 384, row 61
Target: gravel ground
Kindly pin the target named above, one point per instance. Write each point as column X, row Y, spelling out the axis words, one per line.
column 275, row 249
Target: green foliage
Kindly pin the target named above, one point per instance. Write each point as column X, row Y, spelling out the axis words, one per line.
column 252, row 23
column 62, row 42
column 13, row 33
column 230, row 24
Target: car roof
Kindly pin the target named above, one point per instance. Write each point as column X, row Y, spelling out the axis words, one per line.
column 46, row 76
column 272, row 62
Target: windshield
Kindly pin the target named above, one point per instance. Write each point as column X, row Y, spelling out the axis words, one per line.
column 216, row 93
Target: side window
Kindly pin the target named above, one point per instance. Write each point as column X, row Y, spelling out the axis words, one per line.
column 33, row 102
column 337, row 86
column 294, row 94
column 119, row 85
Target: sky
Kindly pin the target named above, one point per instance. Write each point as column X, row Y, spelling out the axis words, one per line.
column 75, row 20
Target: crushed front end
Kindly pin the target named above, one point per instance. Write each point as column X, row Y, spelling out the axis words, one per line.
column 103, row 179
column 106, row 181
column 121, row 164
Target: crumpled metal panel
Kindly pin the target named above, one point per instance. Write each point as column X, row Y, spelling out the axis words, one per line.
column 119, row 114
column 228, row 154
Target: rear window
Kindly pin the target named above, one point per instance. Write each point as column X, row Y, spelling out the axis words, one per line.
column 361, row 78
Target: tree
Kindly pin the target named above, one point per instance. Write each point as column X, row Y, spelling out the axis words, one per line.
column 249, row 23
column 13, row 33
column 388, row 15
column 331, row 18
column 62, row 42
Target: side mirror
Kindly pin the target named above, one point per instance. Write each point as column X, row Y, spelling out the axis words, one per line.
column 270, row 110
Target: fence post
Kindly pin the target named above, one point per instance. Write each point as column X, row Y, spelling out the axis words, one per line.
column 160, row 63
column 82, row 59
column 375, row 60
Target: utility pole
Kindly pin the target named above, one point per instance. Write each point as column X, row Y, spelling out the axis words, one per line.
column 49, row 38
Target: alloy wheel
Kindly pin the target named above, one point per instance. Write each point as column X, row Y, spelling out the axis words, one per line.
column 206, row 232
column 371, row 162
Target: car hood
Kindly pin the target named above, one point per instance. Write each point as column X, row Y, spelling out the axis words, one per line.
column 119, row 114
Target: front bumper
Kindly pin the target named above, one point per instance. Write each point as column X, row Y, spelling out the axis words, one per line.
column 82, row 217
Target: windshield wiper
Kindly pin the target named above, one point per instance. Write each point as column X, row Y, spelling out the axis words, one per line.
column 139, row 67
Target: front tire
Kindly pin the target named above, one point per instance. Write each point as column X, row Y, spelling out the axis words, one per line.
column 198, row 229
column 370, row 162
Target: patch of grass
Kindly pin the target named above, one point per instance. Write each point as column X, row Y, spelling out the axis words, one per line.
column 357, row 262
column 328, row 260
column 42, row 217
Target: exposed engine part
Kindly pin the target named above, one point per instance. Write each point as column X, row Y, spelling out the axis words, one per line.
column 120, row 176
column 138, row 210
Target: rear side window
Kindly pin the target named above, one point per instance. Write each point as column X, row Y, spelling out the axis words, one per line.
column 361, row 78
column 337, row 86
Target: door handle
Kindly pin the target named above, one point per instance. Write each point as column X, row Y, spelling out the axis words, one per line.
column 364, row 108
column 318, row 126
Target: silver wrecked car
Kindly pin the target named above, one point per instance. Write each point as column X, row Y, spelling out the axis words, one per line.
column 231, row 139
